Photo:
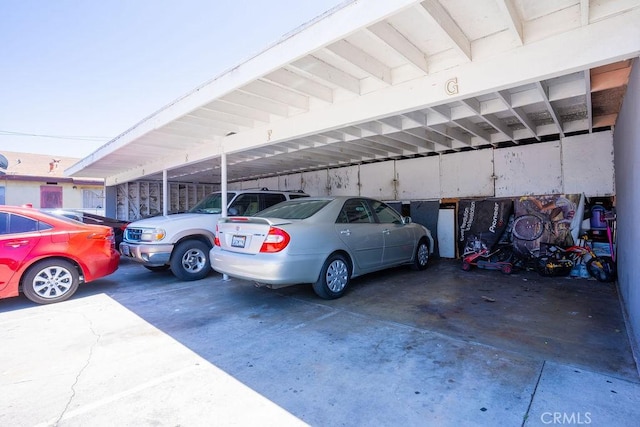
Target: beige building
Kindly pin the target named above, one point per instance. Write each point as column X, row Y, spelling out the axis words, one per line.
column 38, row 179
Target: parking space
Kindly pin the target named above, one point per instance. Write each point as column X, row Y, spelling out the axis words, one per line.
column 442, row 347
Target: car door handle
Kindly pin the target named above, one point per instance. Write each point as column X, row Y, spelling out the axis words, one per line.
column 346, row 232
column 386, row 231
column 17, row 243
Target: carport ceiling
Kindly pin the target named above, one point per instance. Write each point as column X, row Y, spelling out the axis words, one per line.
column 376, row 80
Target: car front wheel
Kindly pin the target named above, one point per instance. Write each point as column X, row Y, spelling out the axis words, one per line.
column 334, row 277
column 421, row 258
column 50, row 281
column 190, row 260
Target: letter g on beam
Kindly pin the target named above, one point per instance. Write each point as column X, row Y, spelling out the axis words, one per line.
column 451, row 86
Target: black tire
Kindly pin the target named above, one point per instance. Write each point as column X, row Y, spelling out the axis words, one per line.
column 334, row 277
column 190, row 260
column 421, row 257
column 505, row 254
column 528, row 227
column 50, row 281
column 603, row 269
column 157, row 267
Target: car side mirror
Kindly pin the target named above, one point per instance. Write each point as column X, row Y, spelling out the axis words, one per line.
column 406, row 220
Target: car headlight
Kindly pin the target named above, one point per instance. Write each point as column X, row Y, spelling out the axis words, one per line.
column 152, row 235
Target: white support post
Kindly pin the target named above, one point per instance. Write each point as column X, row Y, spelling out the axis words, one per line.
column 223, row 182
column 223, row 187
column 165, row 193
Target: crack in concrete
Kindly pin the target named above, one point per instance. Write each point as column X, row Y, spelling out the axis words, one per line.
column 82, row 369
column 533, row 394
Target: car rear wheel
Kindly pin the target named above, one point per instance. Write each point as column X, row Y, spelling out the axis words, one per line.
column 190, row 260
column 334, row 277
column 421, row 258
column 50, row 281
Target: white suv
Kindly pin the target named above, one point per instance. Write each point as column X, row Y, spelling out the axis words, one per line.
column 181, row 242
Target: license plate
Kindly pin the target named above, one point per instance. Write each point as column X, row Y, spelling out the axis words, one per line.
column 238, row 241
column 125, row 250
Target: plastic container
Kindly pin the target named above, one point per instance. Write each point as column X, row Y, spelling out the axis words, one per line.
column 580, row 270
column 601, row 249
column 597, row 217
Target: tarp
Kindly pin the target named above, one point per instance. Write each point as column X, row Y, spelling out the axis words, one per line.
column 481, row 223
column 556, row 218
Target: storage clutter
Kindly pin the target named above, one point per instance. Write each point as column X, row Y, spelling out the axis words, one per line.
column 561, row 234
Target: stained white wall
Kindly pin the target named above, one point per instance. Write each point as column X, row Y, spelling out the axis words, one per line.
column 576, row 164
column 344, row 181
column 272, row 183
column 377, row 180
column 587, row 164
column 316, row 183
column 528, row 169
column 290, row 182
column 418, row 179
column 467, row 174
column 627, row 158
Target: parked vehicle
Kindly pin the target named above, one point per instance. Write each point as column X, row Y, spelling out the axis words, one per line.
column 47, row 257
column 324, row 241
column 181, row 242
column 117, row 225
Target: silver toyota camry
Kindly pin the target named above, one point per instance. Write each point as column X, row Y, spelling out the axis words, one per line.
column 325, row 241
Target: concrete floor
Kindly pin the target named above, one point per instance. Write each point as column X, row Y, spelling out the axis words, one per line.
column 439, row 347
column 567, row 320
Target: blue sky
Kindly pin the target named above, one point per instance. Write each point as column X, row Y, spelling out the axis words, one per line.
column 77, row 73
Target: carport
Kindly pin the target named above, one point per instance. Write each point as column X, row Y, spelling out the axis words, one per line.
column 411, row 100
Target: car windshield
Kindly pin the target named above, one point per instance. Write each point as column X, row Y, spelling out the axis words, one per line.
column 212, row 204
column 62, row 216
column 293, row 209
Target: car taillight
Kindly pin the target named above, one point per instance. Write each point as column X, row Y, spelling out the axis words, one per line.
column 100, row 236
column 276, row 240
column 216, row 240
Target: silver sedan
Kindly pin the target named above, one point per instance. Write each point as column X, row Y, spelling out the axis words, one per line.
column 325, row 241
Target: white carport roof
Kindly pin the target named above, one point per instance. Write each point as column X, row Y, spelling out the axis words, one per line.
column 376, row 79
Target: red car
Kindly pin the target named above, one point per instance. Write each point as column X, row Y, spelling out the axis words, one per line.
column 47, row 257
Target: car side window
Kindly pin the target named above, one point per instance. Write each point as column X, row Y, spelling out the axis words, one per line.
column 21, row 224
column 44, row 226
column 355, row 211
column 272, row 199
column 386, row 214
column 246, row 204
column 4, row 223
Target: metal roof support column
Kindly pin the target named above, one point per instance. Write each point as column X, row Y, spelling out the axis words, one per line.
column 223, row 182
column 165, row 193
column 223, row 188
